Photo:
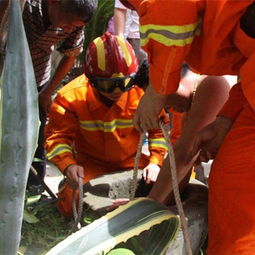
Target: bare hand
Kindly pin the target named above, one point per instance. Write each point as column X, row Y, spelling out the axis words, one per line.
column 45, row 101
column 73, row 173
column 150, row 173
column 149, row 108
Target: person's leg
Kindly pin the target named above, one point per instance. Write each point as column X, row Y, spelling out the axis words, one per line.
column 65, row 199
column 231, row 191
column 92, row 170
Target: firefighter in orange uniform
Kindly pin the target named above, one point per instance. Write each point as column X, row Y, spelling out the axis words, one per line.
column 90, row 130
column 214, row 38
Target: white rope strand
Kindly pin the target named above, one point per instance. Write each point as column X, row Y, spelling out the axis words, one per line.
column 176, row 189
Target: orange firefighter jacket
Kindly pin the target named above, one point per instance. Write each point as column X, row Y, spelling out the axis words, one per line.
column 204, row 33
column 82, row 130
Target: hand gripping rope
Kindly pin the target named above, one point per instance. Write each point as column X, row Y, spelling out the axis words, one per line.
column 174, row 181
column 77, row 215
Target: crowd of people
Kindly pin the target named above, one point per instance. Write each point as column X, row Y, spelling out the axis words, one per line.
column 95, row 121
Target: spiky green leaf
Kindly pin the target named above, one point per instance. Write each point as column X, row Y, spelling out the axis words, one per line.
column 118, row 226
column 19, row 127
column 29, row 217
column 120, row 251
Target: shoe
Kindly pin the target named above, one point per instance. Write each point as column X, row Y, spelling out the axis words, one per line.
column 35, row 189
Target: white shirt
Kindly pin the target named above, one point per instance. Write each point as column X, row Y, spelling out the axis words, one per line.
column 132, row 21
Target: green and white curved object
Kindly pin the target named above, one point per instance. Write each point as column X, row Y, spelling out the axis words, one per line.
column 120, row 225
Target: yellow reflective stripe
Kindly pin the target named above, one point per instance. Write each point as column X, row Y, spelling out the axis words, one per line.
column 59, row 149
column 99, row 125
column 170, row 35
column 100, row 53
column 158, row 143
column 125, row 51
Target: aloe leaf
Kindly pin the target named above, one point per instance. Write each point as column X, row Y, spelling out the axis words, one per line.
column 32, row 200
column 29, row 217
column 120, row 251
column 18, row 129
column 118, row 226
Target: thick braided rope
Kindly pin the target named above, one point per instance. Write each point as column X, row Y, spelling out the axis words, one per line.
column 77, row 215
column 133, row 185
column 176, row 189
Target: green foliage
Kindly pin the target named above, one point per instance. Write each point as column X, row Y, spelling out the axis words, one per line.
column 49, row 229
column 120, row 251
column 43, row 227
column 18, row 129
column 29, row 217
column 98, row 24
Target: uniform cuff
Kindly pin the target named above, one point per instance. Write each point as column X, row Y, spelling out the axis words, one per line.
column 155, row 160
column 64, row 163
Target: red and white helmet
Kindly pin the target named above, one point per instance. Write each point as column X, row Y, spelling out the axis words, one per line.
column 110, row 56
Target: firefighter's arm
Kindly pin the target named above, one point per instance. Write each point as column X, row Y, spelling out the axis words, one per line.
column 59, row 133
column 167, row 42
column 157, row 148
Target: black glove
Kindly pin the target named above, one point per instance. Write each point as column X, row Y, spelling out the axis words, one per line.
column 142, row 76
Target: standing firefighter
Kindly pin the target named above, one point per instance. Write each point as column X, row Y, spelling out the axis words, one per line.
column 90, row 130
column 215, row 38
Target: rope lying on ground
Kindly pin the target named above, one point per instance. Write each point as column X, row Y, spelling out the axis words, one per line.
column 174, row 182
column 77, row 215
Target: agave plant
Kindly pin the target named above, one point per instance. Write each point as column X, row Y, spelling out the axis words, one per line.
column 119, row 226
column 18, row 130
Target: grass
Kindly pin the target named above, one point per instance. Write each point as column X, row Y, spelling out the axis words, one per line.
column 43, row 227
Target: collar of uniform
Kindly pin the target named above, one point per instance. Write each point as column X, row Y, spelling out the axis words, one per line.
column 122, row 102
column 129, row 100
column 92, row 100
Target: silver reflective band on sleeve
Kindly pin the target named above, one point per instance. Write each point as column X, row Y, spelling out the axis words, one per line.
column 170, row 35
